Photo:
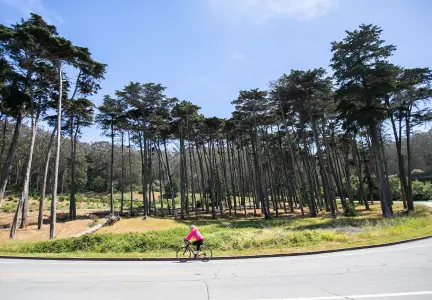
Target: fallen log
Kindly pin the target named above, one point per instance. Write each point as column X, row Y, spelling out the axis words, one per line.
column 110, row 220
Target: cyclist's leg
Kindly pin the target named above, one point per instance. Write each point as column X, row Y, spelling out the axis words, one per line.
column 195, row 243
column 199, row 244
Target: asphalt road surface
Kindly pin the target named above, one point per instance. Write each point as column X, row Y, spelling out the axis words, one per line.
column 396, row 272
column 427, row 203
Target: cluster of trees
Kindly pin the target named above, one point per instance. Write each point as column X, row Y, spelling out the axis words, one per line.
column 34, row 82
column 296, row 145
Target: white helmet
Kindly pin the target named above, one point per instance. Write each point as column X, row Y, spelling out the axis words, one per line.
column 191, row 227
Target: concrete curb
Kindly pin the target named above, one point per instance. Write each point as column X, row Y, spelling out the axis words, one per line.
column 221, row 257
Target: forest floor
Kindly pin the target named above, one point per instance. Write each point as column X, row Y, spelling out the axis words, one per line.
column 159, row 237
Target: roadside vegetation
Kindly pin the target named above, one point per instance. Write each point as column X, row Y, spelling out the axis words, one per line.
column 152, row 238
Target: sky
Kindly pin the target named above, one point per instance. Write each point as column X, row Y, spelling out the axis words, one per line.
column 206, row 51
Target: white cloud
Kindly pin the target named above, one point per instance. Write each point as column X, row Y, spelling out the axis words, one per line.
column 259, row 11
column 237, row 56
column 35, row 6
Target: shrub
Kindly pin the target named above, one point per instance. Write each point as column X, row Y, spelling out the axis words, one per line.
column 97, row 184
column 422, row 191
column 427, row 191
column 8, row 208
column 395, row 188
column 417, row 171
column 350, row 210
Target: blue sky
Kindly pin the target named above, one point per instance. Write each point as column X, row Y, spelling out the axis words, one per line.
column 205, row 51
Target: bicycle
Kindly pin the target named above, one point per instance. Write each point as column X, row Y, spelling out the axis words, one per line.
column 185, row 252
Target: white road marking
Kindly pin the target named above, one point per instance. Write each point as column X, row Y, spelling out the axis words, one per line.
column 422, row 293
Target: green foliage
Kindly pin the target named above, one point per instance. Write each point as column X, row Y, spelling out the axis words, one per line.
column 422, row 191
column 395, row 188
column 350, row 210
column 416, row 171
column 175, row 188
column 364, row 74
column 97, row 184
column 235, row 236
column 8, row 207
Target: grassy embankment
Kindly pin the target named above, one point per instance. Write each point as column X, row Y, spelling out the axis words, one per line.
column 160, row 237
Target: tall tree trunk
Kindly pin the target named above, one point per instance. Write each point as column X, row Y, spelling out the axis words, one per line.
column 25, row 191
column 112, row 170
column 145, row 174
column 357, row 162
column 241, row 181
column 410, row 202
column 348, row 175
column 200, row 176
column 161, row 179
column 257, row 164
column 306, row 163
column 385, row 199
column 230, row 153
column 3, row 145
column 57, row 160
column 401, row 167
column 150, row 173
column 385, row 163
column 44, row 181
column 72, row 206
column 219, row 197
column 222, row 155
column 122, row 173
column 190, row 150
column 9, row 157
column 182, row 176
column 130, row 174
column 326, row 186
column 170, row 179
column 210, row 181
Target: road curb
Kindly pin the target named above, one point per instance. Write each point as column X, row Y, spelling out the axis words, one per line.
column 222, row 257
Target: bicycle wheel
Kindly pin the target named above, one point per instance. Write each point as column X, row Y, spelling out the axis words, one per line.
column 183, row 253
column 205, row 253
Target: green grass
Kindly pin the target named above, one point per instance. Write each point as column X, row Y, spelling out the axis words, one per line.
column 234, row 237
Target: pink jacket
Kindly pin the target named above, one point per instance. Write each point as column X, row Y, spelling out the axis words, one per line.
column 196, row 234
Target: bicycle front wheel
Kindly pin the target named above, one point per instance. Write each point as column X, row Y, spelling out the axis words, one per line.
column 183, row 253
column 205, row 253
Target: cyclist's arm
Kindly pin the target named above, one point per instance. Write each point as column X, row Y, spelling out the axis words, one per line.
column 190, row 235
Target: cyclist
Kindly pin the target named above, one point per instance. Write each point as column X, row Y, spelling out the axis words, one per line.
column 199, row 239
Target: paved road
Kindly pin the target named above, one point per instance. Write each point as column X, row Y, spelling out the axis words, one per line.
column 427, row 203
column 396, row 272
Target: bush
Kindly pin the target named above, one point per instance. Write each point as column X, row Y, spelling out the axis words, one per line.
column 427, row 191
column 35, row 195
column 12, row 199
column 422, row 191
column 97, row 184
column 417, row 171
column 350, row 210
column 8, row 208
column 395, row 188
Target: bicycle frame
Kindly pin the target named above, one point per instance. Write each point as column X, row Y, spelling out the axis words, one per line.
column 189, row 246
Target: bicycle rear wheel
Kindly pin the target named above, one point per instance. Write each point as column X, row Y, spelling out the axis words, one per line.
column 205, row 253
column 183, row 253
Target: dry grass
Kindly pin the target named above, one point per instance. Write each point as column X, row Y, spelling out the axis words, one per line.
column 31, row 233
column 140, row 225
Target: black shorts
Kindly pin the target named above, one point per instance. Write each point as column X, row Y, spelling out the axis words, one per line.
column 198, row 244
